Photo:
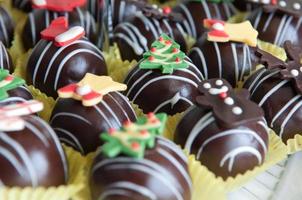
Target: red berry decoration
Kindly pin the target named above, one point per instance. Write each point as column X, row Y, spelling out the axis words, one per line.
column 135, row 145
column 153, row 49
column 167, row 10
column 58, row 5
column 151, row 58
column 223, row 95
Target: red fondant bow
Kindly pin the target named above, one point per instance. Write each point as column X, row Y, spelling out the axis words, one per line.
column 58, row 5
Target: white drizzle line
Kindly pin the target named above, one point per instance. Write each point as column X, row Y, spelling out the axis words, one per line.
column 285, row 29
column 256, row 23
column 37, row 133
column 4, row 30
column 259, row 75
column 231, row 156
column 13, row 160
column 121, row 11
column 23, row 155
column 231, row 132
column 272, row 91
column 119, row 105
column 33, row 27
column 75, row 141
column 280, row 29
column 148, row 24
column 174, row 100
column 111, row 112
column 298, row 24
column 104, row 116
column 126, row 100
column 190, row 19
column 199, row 126
column 281, row 111
column 172, row 147
column 263, row 79
column 290, row 114
column 137, row 81
column 235, row 57
column 219, row 60
column 196, row 70
column 65, row 114
column 203, row 61
column 11, row 99
column 114, row 192
column 6, row 55
column 268, row 21
column 206, row 9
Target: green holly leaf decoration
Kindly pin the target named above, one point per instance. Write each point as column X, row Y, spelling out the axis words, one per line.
column 165, row 54
column 133, row 138
column 8, row 82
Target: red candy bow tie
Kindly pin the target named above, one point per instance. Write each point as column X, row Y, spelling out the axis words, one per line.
column 60, row 34
column 58, row 5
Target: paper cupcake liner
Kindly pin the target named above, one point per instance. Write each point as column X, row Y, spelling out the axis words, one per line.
column 275, row 50
column 64, row 192
column 239, row 17
column 294, row 145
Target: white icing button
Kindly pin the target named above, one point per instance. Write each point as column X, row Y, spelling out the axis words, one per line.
column 297, row 6
column 154, row 6
column 294, row 72
column 218, row 26
column 236, row 110
column 207, row 85
column 229, row 101
column 219, row 82
column 83, row 90
column 282, row 3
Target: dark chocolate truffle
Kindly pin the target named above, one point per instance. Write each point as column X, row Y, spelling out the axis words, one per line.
column 6, row 27
column 23, row 5
column 135, row 35
column 5, row 59
column 161, row 172
column 277, row 89
column 164, row 81
column 50, row 67
column 18, row 95
column 32, row 157
column 229, row 60
column 79, row 126
column 38, row 20
column 226, row 131
column 194, row 12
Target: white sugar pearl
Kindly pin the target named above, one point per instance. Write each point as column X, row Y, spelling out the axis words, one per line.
column 297, row 6
column 218, row 26
column 229, row 101
column 282, row 3
column 294, row 72
column 207, row 85
column 83, row 90
column 219, row 82
column 236, row 110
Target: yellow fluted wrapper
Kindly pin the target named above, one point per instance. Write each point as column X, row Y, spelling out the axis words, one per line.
column 64, row 192
column 239, row 17
column 295, row 144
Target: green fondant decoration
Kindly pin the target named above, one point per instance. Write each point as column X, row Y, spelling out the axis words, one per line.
column 165, row 54
column 8, row 82
column 134, row 138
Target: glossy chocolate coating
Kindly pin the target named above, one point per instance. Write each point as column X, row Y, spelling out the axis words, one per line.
column 276, row 27
column 199, row 132
column 156, row 176
column 279, row 100
column 244, row 6
column 153, row 91
column 80, row 127
column 5, row 59
column 33, row 156
column 231, row 61
column 195, row 12
column 18, row 95
column 23, row 5
column 38, row 20
column 63, row 65
column 6, row 28
column 136, row 34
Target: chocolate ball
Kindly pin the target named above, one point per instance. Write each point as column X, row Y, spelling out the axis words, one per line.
column 50, row 67
column 17, row 95
column 194, row 12
column 222, row 132
column 5, row 58
column 6, row 27
column 38, row 20
column 164, row 166
column 23, row 5
column 80, row 127
column 32, row 157
column 229, row 60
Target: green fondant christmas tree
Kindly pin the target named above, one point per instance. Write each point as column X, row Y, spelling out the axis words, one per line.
column 133, row 138
column 8, row 82
column 165, row 54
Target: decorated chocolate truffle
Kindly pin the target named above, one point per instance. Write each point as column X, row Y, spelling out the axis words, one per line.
column 23, row 5
column 86, row 109
column 165, row 80
column 135, row 35
column 31, row 154
column 6, row 28
column 225, row 52
column 40, row 18
column 5, row 59
column 136, row 163
column 63, row 57
column 226, row 131
column 278, row 21
column 195, row 11
column 277, row 89
column 12, row 89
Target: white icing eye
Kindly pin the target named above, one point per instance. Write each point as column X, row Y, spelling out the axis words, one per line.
column 236, row 110
column 207, row 85
column 282, row 3
column 294, row 72
column 219, row 82
column 229, row 101
column 218, row 26
column 83, row 90
column 297, row 6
